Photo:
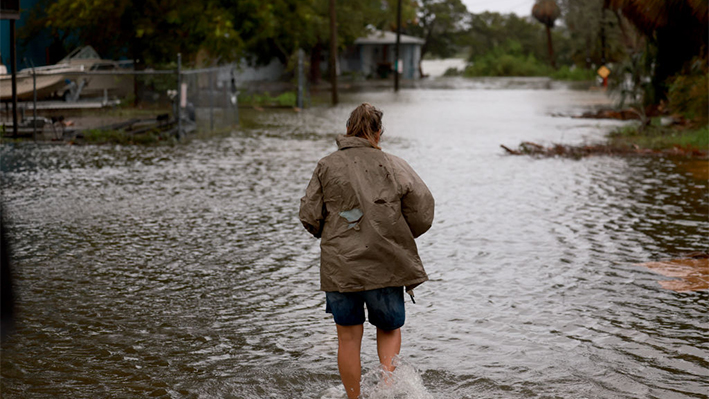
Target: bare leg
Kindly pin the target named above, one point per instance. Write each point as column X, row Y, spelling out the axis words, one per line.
column 349, row 340
column 388, row 346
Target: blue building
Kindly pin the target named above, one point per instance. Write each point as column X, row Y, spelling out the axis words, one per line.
column 374, row 55
column 36, row 51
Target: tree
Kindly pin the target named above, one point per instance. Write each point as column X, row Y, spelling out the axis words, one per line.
column 490, row 30
column 586, row 22
column 546, row 12
column 441, row 23
column 333, row 51
column 676, row 28
column 278, row 28
column 150, row 31
column 154, row 31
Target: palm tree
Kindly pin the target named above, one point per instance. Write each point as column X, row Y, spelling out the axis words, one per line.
column 546, row 12
column 651, row 15
column 677, row 29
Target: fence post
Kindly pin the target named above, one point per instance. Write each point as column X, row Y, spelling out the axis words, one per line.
column 235, row 94
column 211, row 100
column 179, row 96
column 34, row 102
column 299, row 102
column 226, row 118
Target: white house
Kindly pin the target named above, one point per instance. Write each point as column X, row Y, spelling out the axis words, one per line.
column 374, row 54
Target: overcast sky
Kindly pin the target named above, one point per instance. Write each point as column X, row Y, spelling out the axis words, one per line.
column 522, row 8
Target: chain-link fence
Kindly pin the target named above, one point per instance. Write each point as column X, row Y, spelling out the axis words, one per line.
column 63, row 101
column 55, row 103
column 210, row 98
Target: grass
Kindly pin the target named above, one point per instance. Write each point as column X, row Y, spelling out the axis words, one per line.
column 287, row 99
column 97, row 136
column 131, row 111
column 656, row 137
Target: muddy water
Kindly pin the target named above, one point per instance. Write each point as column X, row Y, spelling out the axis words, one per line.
column 184, row 272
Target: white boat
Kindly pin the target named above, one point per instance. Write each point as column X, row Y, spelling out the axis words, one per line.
column 57, row 81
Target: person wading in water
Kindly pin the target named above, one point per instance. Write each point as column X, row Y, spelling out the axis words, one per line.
column 367, row 207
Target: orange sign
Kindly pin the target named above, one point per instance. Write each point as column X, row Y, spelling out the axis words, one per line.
column 603, row 71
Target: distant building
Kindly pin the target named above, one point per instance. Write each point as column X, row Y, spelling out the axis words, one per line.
column 374, row 54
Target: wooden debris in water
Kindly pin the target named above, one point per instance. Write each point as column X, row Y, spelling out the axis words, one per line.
column 581, row 151
column 692, row 273
column 624, row 114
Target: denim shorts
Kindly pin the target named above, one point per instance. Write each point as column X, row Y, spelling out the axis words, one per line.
column 385, row 307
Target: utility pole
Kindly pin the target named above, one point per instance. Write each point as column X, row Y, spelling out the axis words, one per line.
column 603, row 34
column 398, row 44
column 301, row 79
column 11, row 10
column 178, row 111
column 333, row 52
column 13, row 64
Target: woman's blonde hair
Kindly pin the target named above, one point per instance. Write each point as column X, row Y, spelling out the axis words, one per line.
column 365, row 122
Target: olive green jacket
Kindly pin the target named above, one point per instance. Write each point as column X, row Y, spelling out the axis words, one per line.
column 367, row 206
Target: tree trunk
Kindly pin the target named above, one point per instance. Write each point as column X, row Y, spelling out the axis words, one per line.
column 315, row 55
column 424, row 47
column 397, row 53
column 333, row 52
column 603, row 35
column 550, row 48
column 138, row 65
column 137, row 51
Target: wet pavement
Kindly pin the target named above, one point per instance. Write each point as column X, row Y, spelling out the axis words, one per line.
column 184, row 272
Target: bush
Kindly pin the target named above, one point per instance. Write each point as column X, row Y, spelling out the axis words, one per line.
column 507, row 60
column 687, row 94
column 287, row 99
column 506, row 65
column 576, row 74
column 452, row 72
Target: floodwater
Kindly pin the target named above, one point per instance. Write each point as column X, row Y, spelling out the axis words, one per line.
column 184, row 272
column 436, row 68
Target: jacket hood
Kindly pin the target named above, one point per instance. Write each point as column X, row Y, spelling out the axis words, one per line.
column 344, row 141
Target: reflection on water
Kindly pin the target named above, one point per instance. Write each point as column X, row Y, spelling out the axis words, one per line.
column 693, row 274
column 184, row 272
column 698, row 168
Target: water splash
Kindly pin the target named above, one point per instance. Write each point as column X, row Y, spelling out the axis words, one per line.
column 337, row 392
column 404, row 383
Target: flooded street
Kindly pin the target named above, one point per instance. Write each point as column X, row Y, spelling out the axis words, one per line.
column 184, row 271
